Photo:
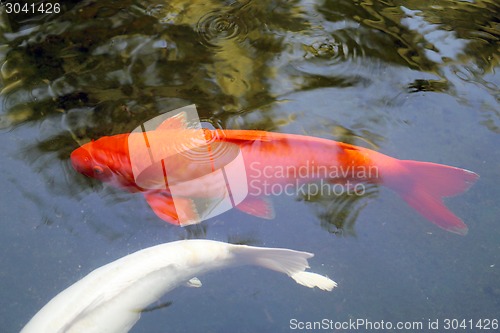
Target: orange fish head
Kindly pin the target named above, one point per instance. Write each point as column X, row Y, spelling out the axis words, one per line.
column 83, row 162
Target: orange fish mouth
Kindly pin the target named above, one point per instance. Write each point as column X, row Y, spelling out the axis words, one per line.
column 82, row 161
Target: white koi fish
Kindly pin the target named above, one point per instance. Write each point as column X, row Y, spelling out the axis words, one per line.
column 110, row 298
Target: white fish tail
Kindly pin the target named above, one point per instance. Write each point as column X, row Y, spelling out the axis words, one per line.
column 312, row 280
column 290, row 262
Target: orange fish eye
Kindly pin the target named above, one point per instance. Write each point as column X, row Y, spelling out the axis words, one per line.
column 97, row 170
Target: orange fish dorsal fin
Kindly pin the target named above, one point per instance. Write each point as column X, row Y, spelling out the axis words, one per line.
column 245, row 135
column 179, row 121
column 185, row 117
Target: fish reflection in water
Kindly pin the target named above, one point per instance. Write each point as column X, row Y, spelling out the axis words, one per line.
column 283, row 160
column 110, row 299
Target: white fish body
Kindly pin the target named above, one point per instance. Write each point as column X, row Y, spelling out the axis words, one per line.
column 110, row 298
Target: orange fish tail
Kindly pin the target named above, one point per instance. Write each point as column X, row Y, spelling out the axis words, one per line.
column 428, row 183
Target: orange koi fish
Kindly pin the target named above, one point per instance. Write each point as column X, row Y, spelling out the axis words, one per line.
column 275, row 163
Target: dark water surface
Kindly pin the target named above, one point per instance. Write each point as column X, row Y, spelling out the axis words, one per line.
column 411, row 79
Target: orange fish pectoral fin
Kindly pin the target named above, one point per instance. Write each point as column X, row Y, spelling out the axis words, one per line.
column 181, row 212
column 257, row 206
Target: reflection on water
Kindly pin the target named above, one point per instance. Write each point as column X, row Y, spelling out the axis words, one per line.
column 133, row 57
column 355, row 71
column 338, row 212
column 100, row 68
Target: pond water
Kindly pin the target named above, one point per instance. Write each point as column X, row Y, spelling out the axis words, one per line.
column 410, row 79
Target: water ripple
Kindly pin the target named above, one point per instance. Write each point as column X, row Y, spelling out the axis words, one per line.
column 341, row 46
column 196, row 162
column 340, row 54
column 220, row 25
